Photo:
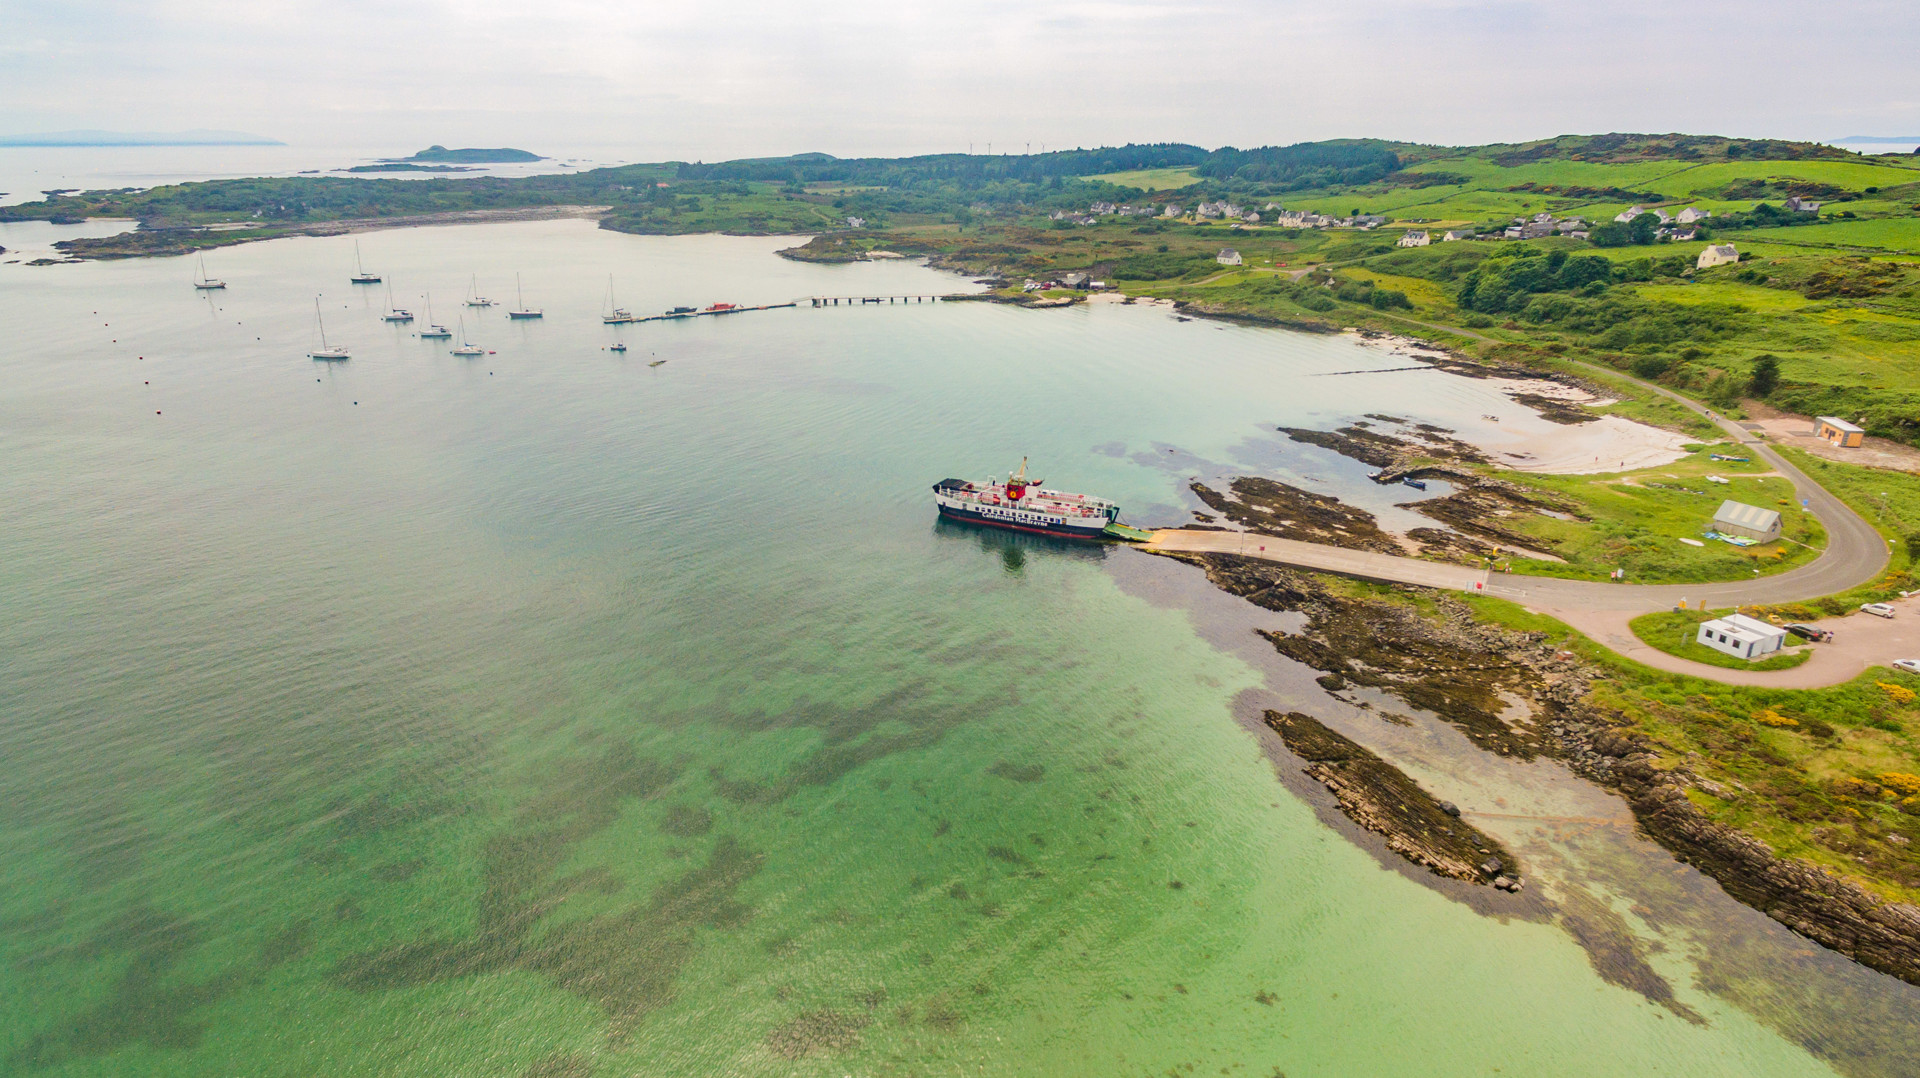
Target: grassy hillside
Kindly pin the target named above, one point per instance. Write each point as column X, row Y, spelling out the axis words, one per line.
column 1831, row 297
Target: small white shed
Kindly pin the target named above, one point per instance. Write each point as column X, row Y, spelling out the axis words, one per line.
column 1227, row 257
column 1741, row 636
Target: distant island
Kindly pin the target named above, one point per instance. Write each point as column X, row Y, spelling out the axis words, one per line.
column 139, row 138
column 1879, row 138
column 467, row 156
column 408, row 166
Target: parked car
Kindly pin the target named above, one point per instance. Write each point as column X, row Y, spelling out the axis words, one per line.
column 1809, row 632
column 1911, row 666
column 1879, row 609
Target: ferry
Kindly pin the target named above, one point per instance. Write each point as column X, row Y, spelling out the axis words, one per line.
column 1022, row 504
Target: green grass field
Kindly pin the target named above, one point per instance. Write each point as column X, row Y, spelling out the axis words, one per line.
column 1149, row 179
column 1638, row 520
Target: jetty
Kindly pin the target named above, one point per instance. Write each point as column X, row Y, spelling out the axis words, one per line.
column 727, row 309
column 854, row 301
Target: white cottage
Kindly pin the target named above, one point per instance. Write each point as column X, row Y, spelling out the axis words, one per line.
column 1227, row 257
column 1415, row 238
column 1741, row 636
column 1716, row 254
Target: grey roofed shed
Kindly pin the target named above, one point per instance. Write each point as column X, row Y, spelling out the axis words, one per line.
column 1738, row 518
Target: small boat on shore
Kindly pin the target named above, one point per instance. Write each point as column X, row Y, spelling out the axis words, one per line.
column 1414, row 483
column 1022, row 504
column 325, row 352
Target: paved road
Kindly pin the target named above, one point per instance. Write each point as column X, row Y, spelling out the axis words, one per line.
column 1361, row 563
column 1855, row 554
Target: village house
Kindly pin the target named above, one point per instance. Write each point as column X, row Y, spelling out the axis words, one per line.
column 1800, row 205
column 1628, row 214
column 1074, row 280
column 1690, row 215
column 1741, row 636
column 1102, row 207
column 1227, row 257
column 1716, row 254
column 1457, row 234
column 1839, row 432
column 1739, row 518
column 1414, row 238
column 856, row 222
column 1369, row 220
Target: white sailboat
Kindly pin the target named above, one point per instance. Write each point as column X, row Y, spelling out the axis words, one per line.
column 615, row 314
column 433, row 332
column 325, row 351
column 205, row 282
column 395, row 314
column 474, row 298
column 467, row 348
column 522, row 311
column 360, row 274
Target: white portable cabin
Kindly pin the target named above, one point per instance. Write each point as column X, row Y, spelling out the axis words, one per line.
column 1741, row 636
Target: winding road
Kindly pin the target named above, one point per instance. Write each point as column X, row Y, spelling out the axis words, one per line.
column 1855, row 554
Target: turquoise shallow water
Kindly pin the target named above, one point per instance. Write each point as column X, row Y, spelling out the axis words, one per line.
column 553, row 714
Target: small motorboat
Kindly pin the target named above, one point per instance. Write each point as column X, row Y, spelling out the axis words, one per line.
column 1414, row 483
column 617, row 346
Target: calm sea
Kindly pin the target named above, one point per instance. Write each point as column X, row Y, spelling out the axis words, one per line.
column 553, row 713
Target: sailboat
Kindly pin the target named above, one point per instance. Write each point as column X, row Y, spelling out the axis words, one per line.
column 395, row 314
column 324, row 351
column 433, row 332
column 474, row 298
column 616, row 314
column 467, row 348
column 523, row 311
column 203, row 281
column 360, row 274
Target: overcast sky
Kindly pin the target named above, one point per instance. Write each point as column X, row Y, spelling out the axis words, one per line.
column 728, row 78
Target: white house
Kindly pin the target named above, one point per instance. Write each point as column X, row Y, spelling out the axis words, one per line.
column 1628, row 214
column 1741, row 636
column 1802, row 205
column 1416, row 237
column 1739, row 518
column 1716, row 254
column 1227, row 257
column 1457, row 234
column 1690, row 215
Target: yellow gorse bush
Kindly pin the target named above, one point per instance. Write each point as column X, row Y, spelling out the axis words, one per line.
column 1908, row 785
column 1770, row 717
column 1900, row 693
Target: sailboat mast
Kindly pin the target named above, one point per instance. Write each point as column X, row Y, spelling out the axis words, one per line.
column 321, row 322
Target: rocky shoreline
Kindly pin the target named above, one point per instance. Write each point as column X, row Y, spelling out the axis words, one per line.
column 1518, row 694
column 1381, row 798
